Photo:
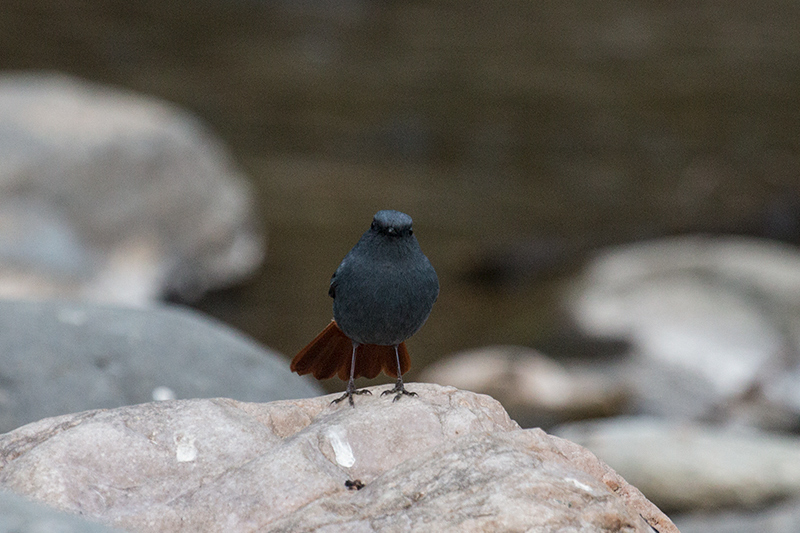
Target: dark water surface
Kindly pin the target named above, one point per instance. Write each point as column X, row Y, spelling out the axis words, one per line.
column 519, row 135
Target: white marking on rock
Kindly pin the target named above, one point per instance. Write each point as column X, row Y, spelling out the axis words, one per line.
column 580, row 485
column 341, row 448
column 185, row 449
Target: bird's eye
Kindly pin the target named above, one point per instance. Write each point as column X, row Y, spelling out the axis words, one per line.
column 411, row 232
column 374, row 225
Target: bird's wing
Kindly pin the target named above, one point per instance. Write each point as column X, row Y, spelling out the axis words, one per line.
column 334, row 280
column 332, row 288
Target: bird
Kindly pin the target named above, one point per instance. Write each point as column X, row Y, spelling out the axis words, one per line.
column 383, row 292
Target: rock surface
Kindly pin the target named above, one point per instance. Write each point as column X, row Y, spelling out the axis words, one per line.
column 713, row 322
column 111, row 196
column 445, row 461
column 21, row 515
column 61, row 357
column 685, row 467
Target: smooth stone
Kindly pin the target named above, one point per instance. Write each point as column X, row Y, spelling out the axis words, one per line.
column 59, row 357
column 783, row 517
column 683, row 467
column 712, row 322
column 446, row 460
column 537, row 390
column 112, row 196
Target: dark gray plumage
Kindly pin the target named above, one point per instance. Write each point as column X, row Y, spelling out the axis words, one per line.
column 385, row 287
column 383, row 292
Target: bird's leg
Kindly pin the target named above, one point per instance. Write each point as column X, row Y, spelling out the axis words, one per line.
column 351, row 385
column 398, row 387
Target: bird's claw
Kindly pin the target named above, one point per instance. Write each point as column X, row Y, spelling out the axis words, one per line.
column 349, row 395
column 398, row 390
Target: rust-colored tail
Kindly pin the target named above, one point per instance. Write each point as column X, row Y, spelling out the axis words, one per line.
column 330, row 353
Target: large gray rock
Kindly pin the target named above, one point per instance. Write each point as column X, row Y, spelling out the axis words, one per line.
column 714, row 323
column 444, row 461
column 21, row 515
column 114, row 197
column 60, row 357
column 684, row 467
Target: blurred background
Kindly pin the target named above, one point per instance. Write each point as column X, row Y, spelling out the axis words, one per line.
column 528, row 140
column 518, row 135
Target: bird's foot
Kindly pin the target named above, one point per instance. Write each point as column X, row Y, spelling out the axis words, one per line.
column 398, row 390
column 349, row 395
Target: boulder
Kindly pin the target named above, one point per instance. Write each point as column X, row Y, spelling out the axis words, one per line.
column 60, row 357
column 446, row 460
column 685, row 467
column 712, row 321
column 112, row 196
column 537, row 390
column 783, row 517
